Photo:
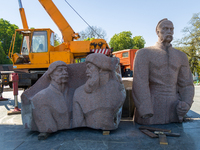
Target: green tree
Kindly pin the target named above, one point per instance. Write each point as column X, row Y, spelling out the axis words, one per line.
column 6, row 32
column 138, row 42
column 121, row 41
column 2, row 54
column 124, row 40
column 190, row 43
column 3, row 58
column 56, row 40
column 89, row 39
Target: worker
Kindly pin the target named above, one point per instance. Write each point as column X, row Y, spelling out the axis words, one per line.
column 162, row 81
column 51, row 111
column 40, row 48
column 98, row 103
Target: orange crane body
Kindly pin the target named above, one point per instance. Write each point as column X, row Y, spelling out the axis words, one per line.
column 37, row 48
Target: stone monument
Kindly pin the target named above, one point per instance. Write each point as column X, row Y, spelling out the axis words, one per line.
column 87, row 94
column 52, row 105
column 98, row 103
column 51, row 96
column 162, row 81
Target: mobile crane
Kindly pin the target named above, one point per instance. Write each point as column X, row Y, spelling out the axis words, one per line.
column 37, row 50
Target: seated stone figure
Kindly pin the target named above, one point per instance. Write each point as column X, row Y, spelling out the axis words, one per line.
column 162, row 81
column 98, row 103
column 51, row 105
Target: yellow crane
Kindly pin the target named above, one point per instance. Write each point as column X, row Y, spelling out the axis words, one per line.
column 37, row 49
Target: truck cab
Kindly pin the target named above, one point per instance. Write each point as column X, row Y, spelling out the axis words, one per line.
column 126, row 61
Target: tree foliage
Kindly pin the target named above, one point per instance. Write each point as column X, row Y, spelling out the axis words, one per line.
column 56, row 40
column 3, row 58
column 6, row 32
column 138, row 42
column 121, row 41
column 124, row 40
column 192, row 58
column 190, row 43
column 89, row 39
column 94, row 32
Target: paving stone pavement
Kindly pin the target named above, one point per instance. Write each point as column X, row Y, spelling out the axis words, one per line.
column 14, row 137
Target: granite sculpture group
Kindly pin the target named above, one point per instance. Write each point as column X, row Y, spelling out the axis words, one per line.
column 91, row 94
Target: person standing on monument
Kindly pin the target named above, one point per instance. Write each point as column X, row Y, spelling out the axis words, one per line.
column 163, row 88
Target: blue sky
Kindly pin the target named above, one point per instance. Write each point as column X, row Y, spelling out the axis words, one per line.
column 114, row 16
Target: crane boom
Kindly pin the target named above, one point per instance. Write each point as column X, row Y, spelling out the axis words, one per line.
column 23, row 16
column 64, row 27
column 37, row 50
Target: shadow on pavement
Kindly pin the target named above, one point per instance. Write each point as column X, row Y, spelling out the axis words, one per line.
column 9, row 104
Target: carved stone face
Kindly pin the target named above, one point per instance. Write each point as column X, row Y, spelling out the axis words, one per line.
column 60, row 74
column 92, row 73
column 90, row 69
column 165, row 31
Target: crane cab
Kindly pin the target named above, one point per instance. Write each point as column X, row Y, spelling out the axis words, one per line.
column 37, row 49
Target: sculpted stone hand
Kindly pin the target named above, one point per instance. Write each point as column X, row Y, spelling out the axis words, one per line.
column 182, row 109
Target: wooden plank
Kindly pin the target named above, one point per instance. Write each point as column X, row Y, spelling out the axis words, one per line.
column 3, row 99
column 43, row 136
column 153, row 129
column 13, row 112
column 106, row 132
column 163, row 139
column 168, row 134
column 149, row 133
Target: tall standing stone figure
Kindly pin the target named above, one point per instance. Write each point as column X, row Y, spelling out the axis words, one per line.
column 163, row 88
